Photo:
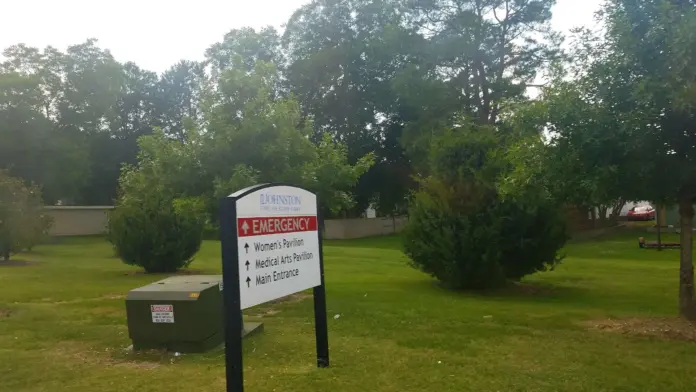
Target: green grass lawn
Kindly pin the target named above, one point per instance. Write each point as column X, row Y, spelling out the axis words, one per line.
column 63, row 327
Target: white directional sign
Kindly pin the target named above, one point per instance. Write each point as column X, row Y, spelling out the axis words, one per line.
column 271, row 248
column 277, row 244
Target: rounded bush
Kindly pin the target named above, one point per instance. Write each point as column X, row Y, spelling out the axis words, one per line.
column 531, row 237
column 482, row 242
column 156, row 233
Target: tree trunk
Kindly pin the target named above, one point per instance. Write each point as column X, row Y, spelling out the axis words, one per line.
column 593, row 214
column 658, row 215
column 662, row 214
column 616, row 211
column 687, row 306
column 602, row 216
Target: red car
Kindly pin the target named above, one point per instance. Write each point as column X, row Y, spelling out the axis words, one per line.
column 643, row 213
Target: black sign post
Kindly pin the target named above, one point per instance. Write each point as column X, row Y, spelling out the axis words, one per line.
column 319, row 293
column 229, row 238
column 230, row 294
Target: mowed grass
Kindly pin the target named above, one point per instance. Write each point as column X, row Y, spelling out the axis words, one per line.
column 63, row 327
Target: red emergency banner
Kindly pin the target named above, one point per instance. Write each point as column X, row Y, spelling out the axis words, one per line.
column 247, row 227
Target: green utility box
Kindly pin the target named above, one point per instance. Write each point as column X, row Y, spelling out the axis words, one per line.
column 182, row 313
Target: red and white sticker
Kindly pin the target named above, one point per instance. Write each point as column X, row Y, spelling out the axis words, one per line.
column 247, row 227
column 162, row 314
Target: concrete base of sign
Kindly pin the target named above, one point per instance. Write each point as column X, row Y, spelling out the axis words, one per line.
column 212, row 342
column 251, row 329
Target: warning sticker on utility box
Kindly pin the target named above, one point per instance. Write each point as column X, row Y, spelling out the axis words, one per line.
column 162, row 313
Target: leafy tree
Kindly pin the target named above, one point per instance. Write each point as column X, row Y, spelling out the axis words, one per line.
column 383, row 75
column 23, row 223
column 342, row 60
column 249, row 46
column 491, row 50
column 330, row 177
column 379, row 76
column 180, row 92
column 576, row 147
column 86, row 112
column 484, row 53
column 135, row 113
column 46, row 67
column 623, row 127
column 33, row 147
column 252, row 135
column 92, row 88
column 112, row 104
column 654, row 40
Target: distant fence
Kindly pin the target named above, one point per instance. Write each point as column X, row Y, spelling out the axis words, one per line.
column 93, row 220
column 345, row 229
column 78, row 220
column 578, row 220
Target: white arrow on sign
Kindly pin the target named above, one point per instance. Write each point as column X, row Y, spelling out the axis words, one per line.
column 245, row 227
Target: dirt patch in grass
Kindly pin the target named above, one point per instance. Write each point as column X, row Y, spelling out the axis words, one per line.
column 269, row 311
column 4, row 313
column 107, row 311
column 114, row 296
column 76, row 352
column 662, row 328
column 17, row 263
column 81, row 300
column 266, row 312
column 299, row 297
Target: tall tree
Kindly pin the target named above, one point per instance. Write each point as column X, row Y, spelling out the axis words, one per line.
column 343, row 57
column 135, row 113
column 33, row 147
column 181, row 89
column 248, row 45
column 47, row 66
column 587, row 117
column 89, row 105
column 484, row 53
column 656, row 39
column 489, row 50
column 91, row 110
column 93, row 84
column 385, row 75
column 629, row 114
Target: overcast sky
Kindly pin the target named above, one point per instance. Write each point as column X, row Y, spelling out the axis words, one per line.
column 155, row 34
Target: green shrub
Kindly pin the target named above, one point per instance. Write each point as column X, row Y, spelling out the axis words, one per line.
column 157, row 233
column 23, row 222
column 531, row 236
column 462, row 232
column 484, row 245
column 456, row 247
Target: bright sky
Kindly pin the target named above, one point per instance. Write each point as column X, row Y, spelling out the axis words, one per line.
column 155, row 34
